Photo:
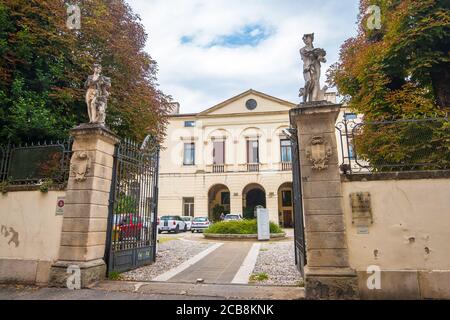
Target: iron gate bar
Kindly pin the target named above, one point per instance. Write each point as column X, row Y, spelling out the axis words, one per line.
column 131, row 238
column 299, row 230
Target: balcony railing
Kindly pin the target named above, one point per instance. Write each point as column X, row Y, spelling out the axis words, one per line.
column 286, row 166
column 253, row 167
column 218, row 168
column 248, row 167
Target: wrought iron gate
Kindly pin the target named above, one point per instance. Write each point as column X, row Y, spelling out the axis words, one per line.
column 132, row 229
column 299, row 228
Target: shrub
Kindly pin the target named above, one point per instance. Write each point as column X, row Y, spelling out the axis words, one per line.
column 240, row 227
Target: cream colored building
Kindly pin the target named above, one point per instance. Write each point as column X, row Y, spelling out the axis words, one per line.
column 234, row 155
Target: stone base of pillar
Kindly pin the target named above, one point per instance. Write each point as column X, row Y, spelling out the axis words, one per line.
column 331, row 284
column 90, row 272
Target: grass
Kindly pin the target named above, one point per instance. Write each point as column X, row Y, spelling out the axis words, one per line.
column 259, row 277
column 115, row 276
column 301, row 283
column 240, row 227
column 162, row 240
column 263, row 250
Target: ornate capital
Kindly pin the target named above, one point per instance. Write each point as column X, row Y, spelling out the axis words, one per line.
column 318, row 153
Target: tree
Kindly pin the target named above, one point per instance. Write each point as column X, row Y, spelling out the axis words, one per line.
column 401, row 70
column 44, row 65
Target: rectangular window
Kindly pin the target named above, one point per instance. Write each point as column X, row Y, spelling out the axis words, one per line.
column 286, row 198
column 189, row 154
column 286, row 150
column 350, row 116
column 189, row 124
column 225, row 198
column 252, row 151
column 188, row 207
column 219, row 152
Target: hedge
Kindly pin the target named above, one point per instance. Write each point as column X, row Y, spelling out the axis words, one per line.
column 240, row 227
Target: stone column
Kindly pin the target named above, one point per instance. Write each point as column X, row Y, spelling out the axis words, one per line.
column 235, row 203
column 272, row 205
column 328, row 274
column 87, row 201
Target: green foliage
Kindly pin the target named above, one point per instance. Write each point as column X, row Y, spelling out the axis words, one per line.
column 4, row 186
column 423, row 144
column 240, row 227
column 400, row 71
column 217, row 211
column 126, row 204
column 44, row 66
column 249, row 213
column 46, row 185
column 115, row 276
column 259, row 277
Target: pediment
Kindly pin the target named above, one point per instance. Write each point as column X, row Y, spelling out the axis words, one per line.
column 250, row 102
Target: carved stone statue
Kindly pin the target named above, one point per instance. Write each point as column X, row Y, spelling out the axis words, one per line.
column 312, row 59
column 97, row 95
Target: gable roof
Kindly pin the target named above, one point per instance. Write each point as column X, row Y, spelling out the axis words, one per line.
column 248, row 92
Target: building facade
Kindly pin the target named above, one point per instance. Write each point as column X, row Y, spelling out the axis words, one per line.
column 229, row 158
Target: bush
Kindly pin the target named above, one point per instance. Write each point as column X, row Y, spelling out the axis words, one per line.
column 240, row 227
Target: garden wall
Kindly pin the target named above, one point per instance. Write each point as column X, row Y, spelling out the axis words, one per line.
column 409, row 238
column 30, row 235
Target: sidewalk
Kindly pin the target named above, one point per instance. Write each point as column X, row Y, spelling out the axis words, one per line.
column 118, row 290
column 218, row 267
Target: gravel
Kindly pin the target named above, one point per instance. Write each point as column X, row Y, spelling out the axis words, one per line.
column 170, row 255
column 277, row 260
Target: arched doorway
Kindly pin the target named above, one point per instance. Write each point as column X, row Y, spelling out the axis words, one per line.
column 253, row 195
column 218, row 201
column 285, row 205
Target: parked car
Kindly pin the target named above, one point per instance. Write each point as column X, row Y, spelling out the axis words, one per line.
column 232, row 217
column 171, row 224
column 129, row 226
column 200, row 224
column 188, row 221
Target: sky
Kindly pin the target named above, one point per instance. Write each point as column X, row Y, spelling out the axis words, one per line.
column 211, row 50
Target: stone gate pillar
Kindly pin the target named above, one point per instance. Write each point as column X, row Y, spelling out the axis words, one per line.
column 85, row 220
column 327, row 274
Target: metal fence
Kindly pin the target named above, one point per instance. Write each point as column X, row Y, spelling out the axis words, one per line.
column 30, row 164
column 133, row 206
column 397, row 145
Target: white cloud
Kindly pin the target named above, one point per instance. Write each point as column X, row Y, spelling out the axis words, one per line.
column 199, row 76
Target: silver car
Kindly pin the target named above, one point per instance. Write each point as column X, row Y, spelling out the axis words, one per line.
column 232, row 217
column 199, row 224
column 188, row 221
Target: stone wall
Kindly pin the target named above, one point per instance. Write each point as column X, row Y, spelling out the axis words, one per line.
column 409, row 239
column 30, row 235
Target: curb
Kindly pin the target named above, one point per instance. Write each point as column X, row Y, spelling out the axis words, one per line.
column 252, row 237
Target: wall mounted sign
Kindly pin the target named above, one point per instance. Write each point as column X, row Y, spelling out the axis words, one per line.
column 361, row 211
column 60, row 203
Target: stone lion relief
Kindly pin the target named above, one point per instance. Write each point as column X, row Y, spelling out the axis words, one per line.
column 319, row 152
column 80, row 166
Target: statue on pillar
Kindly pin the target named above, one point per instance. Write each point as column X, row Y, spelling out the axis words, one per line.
column 97, row 95
column 312, row 59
